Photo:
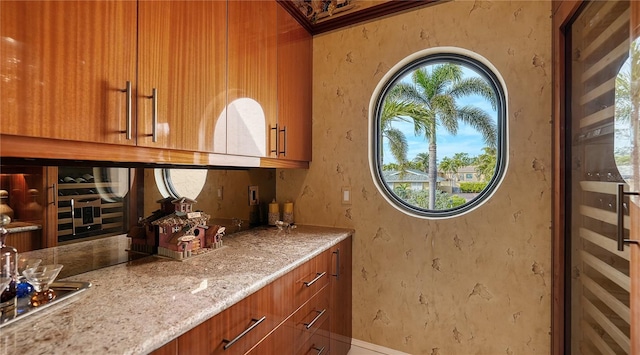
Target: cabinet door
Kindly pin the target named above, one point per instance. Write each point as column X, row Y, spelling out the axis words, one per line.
column 340, row 301
column 64, row 66
column 294, row 90
column 251, row 104
column 182, row 66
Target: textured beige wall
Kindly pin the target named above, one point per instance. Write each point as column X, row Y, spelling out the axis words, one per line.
column 477, row 284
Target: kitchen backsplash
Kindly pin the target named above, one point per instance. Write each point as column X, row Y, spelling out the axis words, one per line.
column 234, row 185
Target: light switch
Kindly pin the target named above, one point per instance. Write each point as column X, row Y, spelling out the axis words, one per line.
column 346, row 195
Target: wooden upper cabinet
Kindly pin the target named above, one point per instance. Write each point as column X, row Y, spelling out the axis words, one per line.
column 182, row 58
column 64, row 66
column 294, row 90
column 635, row 20
column 251, row 90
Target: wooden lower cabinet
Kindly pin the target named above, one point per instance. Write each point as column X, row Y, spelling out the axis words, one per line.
column 292, row 315
column 278, row 342
column 311, row 319
column 341, row 280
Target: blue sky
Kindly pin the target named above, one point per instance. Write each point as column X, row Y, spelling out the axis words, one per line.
column 468, row 140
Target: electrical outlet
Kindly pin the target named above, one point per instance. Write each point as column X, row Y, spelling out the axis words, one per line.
column 253, row 195
column 346, row 195
column 220, row 193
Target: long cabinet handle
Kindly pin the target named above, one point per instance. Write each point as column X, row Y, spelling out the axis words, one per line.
column 319, row 275
column 277, row 134
column 129, row 109
column 73, row 216
column 310, row 324
column 337, row 274
column 284, row 151
column 320, row 351
column 245, row 332
column 620, row 215
column 54, row 192
column 154, row 114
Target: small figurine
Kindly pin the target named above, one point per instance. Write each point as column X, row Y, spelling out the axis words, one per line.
column 178, row 233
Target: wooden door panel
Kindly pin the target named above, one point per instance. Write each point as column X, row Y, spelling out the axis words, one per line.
column 182, row 54
column 295, row 56
column 252, row 96
column 64, row 66
column 634, row 210
column 341, row 304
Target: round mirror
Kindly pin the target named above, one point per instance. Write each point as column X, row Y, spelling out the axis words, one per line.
column 181, row 182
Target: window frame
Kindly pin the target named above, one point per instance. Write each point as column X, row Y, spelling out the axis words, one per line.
column 418, row 59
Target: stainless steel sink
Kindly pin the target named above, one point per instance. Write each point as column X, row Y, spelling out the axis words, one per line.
column 64, row 292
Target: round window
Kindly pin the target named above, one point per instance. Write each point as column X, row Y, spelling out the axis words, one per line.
column 438, row 133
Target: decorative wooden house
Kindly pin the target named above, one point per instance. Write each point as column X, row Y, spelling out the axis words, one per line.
column 176, row 231
column 144, row 236
column 181, row 233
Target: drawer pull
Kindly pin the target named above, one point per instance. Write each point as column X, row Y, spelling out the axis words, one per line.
column 310, row 324
column 318, row 277
column 320, row 351
column 245, row 332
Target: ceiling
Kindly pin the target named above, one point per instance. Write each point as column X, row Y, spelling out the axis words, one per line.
column 319, row 16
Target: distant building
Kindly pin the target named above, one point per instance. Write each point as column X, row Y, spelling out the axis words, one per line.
column 468, row 174
column 416, row 180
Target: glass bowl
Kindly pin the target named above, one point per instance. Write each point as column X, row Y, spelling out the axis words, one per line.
column 40, row 277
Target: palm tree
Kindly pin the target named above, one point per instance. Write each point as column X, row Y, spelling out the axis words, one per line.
column 627, row 88
column 486, row 163
column 463, row 159
column 395, row 108
column 435, row 89
column 422, row 159
column 451, row 166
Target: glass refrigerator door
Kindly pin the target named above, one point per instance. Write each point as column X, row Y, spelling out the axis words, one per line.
column 600, row 282
column 92, row 202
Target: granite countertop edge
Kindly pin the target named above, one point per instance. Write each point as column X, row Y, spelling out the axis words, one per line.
column 137, row 307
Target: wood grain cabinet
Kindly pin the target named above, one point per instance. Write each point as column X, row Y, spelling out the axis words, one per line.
column 290, row 136
column 340, row 301
column 292, row 315
column 69, row 72
column 181, row 85
column 225, row 77
column 251, row 89
column 64, row 68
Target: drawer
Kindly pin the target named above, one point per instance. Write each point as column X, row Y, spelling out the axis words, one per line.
column 310, row 277
column 246, row 323
column 278, row 342
column 317, row 344
column 312, row 318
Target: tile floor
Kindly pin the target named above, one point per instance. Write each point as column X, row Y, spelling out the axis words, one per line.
column 359, row 347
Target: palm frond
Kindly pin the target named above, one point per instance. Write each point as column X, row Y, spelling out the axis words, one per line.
column 474, row 86
column 481, row 121
column 397, row 144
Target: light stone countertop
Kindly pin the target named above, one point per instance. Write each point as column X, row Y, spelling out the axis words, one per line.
column 136, row 307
